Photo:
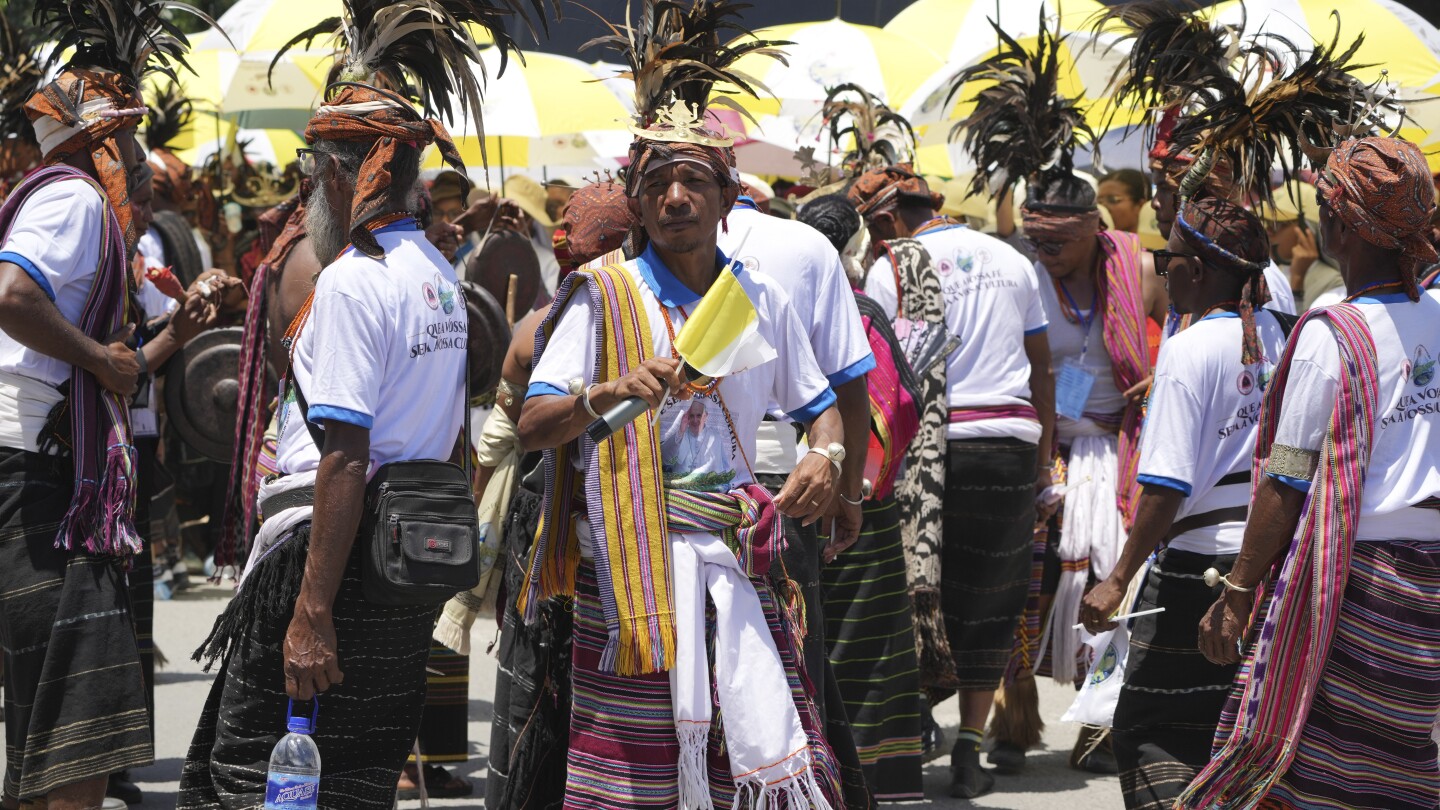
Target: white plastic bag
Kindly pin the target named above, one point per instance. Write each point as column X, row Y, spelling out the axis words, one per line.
column 1095, row 705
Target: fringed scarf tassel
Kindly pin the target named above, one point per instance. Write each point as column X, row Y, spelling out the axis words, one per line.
column 271, row 587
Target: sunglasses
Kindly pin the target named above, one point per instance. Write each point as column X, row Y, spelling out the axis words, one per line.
column 1047, row 248
column 1164, row 257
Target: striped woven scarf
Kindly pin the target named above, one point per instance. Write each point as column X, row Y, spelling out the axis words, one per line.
column 255, row 392
column 622, row 486
column 744, row 518
column 1290, row 656
column 102, row 508
column 1122, row 299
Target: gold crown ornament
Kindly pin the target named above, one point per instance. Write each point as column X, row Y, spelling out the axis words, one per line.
column 680, row 123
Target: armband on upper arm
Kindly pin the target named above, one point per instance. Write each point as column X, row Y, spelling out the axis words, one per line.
column 1292, row 462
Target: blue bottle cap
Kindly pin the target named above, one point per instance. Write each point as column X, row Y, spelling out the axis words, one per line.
column 300, row 724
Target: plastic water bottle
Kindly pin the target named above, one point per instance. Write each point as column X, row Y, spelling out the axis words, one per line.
column 294, row 778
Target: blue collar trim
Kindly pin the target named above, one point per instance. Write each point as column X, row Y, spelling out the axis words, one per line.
column 746, row 201
column 1221, row 314
column 406, row 224
column 670, row 290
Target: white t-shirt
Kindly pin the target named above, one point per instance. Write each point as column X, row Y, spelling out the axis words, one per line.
column 698, row 450
column 56, row 240
column 154, row 302
column 1282, row 298
column 1405, row 454
column 991, row 304
column 388, row 337
column 1068, row 343
column 1202, row 421
column 808, row 268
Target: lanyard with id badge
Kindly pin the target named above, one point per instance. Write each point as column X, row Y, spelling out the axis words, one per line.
column 1074, row 382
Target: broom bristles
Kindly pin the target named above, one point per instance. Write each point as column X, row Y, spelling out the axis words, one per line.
column 1017, row 718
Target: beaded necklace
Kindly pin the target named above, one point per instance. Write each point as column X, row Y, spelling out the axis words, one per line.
column 1387, row 286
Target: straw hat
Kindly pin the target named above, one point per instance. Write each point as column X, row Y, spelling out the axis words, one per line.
column 531, row 197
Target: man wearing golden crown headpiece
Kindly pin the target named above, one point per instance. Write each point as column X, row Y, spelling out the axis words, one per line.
column 688, row 523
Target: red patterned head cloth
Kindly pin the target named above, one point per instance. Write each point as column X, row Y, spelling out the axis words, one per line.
column 882, row 189
column 174, row 178
column 595, row 223
column 1226, row 235
column 82, row 111
column 1381, row 188
column 359, row 112
column 1054, row 223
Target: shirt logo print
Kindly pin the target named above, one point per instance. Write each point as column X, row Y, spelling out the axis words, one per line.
column 431, row 299
column 1246, row 383
column 1423, row 367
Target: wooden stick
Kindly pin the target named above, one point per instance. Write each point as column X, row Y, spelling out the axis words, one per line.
column 510, row 299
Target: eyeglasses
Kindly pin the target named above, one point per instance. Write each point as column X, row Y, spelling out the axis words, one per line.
column 1164, row 257
column 310, row 160
column 1047, row 248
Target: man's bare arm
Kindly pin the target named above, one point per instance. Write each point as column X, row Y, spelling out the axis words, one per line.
column 32, row 319
column 312, row 663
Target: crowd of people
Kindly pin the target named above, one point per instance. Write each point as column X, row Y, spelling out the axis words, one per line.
column 738, row 568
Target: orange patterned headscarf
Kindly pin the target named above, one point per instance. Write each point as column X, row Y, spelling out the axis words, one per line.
column 83, row 110
column 1381, row 187
column 358, row 112
column 881, row 189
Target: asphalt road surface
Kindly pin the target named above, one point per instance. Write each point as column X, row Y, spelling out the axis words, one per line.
column 182, row 623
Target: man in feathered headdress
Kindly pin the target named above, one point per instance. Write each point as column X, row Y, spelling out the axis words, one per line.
column 66, row 375
column 688, row 522
column 1344, row 518
column 375, row 375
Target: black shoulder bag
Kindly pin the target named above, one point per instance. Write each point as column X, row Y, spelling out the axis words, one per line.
column 420, row 529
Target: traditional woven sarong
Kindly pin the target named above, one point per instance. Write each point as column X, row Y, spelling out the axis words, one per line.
column 1367, row 740
column 1172, row 696
column 1256, row 746
column 367, row 724
column 624, row 752
column 869, row 631
column 1122, row 299
column 74, row 693
column 990, row 517
column 530, row 733
column 919, row 490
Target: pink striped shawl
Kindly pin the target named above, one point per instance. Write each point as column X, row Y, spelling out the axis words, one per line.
column 1122, row 299
column 1286, row 664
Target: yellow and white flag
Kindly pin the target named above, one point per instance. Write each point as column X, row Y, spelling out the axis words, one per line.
column 722, row 336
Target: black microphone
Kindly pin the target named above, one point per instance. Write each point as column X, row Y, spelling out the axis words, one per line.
column 613, row 420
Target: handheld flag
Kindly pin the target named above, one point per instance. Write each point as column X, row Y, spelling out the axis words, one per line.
column 722, row 337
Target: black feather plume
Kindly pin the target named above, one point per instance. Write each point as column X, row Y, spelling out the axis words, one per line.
column 425, row 44
column 170, row 114
column 127, row 37
column 1263, row 119
column 674, row 54
column 1021, row 124
column 1173, row 52
column 882, row 137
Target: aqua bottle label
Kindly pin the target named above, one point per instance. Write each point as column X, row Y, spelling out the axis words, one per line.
column 285, row 791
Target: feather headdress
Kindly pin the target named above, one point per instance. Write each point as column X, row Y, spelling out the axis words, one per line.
column 130, row 38
column 1021, row 125
column 170, row 113
column 1173, row 53
column 882, row 137
column 678, row 55
column 424, row 44
column 1262, row 119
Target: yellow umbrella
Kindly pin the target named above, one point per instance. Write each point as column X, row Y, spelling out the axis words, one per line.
column 538, row 113
column 831, row 53
column 960, row 31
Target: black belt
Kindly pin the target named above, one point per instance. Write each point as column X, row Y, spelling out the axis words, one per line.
column 1214, row 518
column 1234, row 478
column 289, row 499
